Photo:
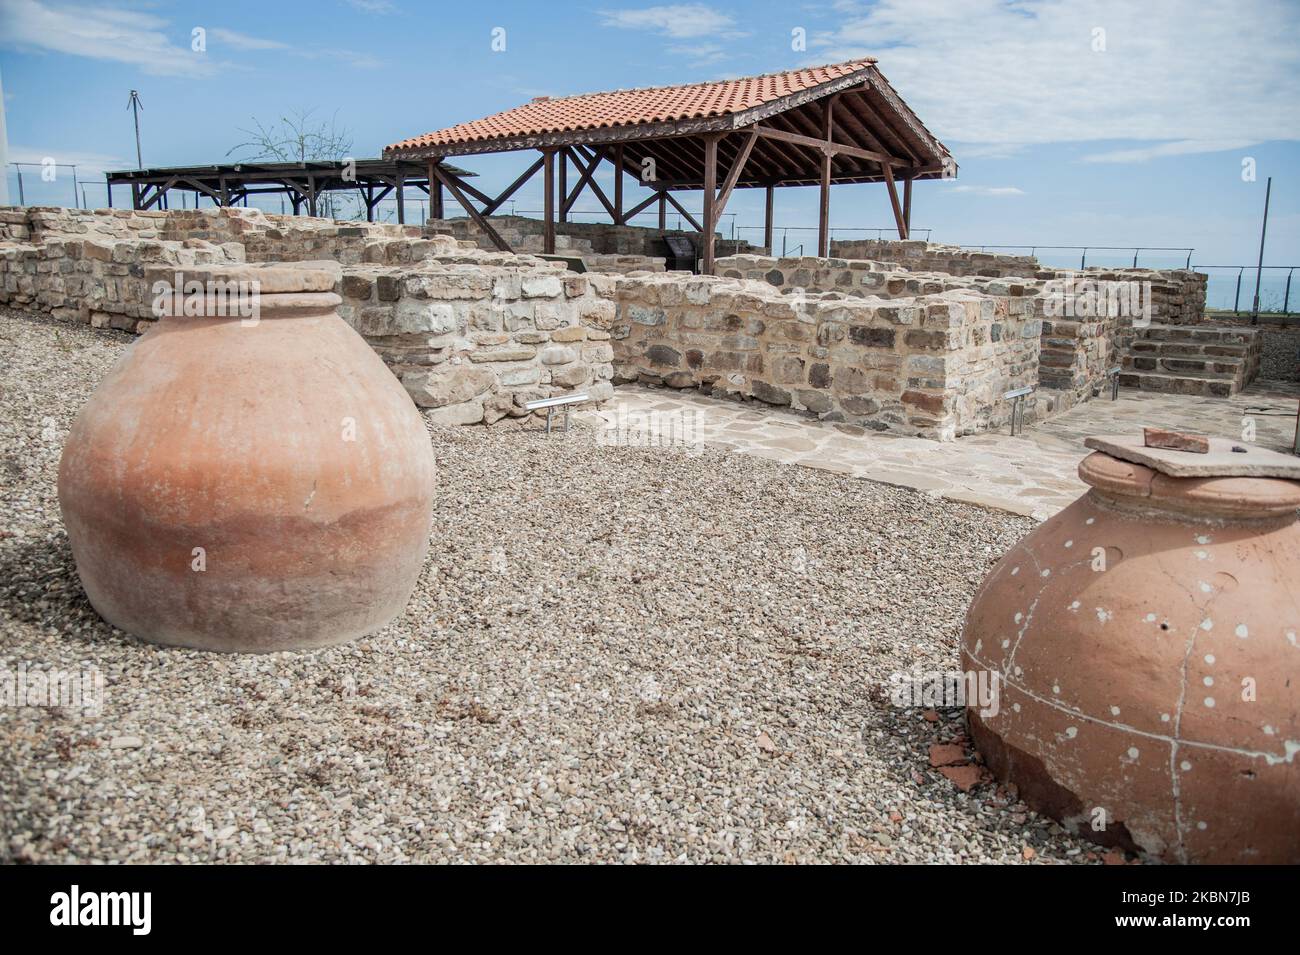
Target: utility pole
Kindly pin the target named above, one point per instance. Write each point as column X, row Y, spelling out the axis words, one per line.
column 134, row 105
column 1259, row 269
column 4, row 152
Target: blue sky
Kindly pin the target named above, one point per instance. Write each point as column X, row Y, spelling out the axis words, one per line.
column 1073, row 122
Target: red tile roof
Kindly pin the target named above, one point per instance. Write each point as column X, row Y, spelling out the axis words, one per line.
column 659, row 104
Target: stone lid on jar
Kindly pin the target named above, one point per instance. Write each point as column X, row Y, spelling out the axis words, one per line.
column 1225, row 458
column 1228, row 497
column 243, row 290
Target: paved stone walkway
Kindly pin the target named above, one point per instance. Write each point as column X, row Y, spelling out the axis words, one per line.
column 1033, row 474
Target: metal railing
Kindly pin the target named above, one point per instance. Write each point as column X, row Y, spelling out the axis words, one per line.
column 1241, row 270
column 1085, row 249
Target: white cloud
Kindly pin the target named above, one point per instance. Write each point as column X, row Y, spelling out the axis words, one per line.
column 372, row 6
column 1182, row 147
column 679, row 21
column 994, row 191
column 1026, row 72
column 140, row 39
column 242, row 41
column 101, row 33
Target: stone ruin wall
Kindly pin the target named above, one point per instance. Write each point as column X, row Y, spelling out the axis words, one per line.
column 1029, row 347
column 918, row 256
column 471, row 335
column 932, row 366
column 1076, row 352
column 474, row 342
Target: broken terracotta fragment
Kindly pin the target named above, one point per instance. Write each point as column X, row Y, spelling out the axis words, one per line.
column 250, row 485
column 1175, row 440
column 1147, row 641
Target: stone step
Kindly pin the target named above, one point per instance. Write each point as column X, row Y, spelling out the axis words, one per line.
column 1183, row 383
column 1201, row 334
column 1212, row 367
column 1187, row 349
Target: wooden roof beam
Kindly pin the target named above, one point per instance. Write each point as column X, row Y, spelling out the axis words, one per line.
column 829, row 147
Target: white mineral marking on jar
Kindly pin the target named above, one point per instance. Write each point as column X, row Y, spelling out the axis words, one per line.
column 1075, row 606
column 1164, row 717
column 1185, row 766
column 1071, row 731
column 1202, row 539
column 1132, row 752
column 1091, row 520
column 1102, row 615
column 1150, row 618
column 1208, row 681
column 1241, row 631
column 1205, row 588
column 1209, row 658
column 1015, row 707
column 1290, row 635
column 1014, row 571
column 1055, row 688
column 1114, row 711
column 1069, row 543
column 1019, row 672
column 1209, row 701
column 1207, row 624
column 1047, row 572
column 1268, row 730
column 1006, row 644
column 1201, row 825
column 979, row 645
column 1019, row 617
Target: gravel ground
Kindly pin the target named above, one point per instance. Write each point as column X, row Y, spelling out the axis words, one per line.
column 613, row 654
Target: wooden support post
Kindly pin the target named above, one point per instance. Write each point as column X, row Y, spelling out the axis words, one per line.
column 453, row 184
column 369, row 199
column 824, row 206
column 695, row 224
column 311, row 196
column 893, row 201
column 618, row 184
column 767, row 218
column 401, row 190
column 564, row 185
column 548, row 178
column 108, row 186
column 710, row 203
column 824, row 210
column 663, row 210
column 907, row 206
column 435, row 192
column 499, row 201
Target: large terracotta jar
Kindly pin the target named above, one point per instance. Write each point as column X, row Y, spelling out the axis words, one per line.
column 249, row 483
column 1147, row 645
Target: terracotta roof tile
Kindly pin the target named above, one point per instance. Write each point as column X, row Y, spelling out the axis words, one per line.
column 630, row 107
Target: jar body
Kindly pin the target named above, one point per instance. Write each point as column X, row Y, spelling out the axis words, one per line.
column 248, row 486
column 1149, row 667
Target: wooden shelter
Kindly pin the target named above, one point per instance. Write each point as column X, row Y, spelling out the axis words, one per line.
column 841, row 123
column 302, row 182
